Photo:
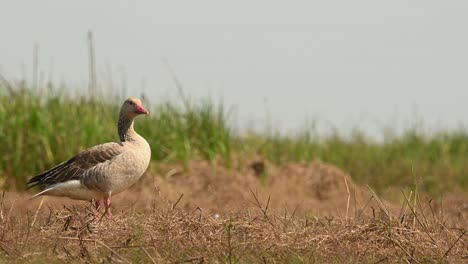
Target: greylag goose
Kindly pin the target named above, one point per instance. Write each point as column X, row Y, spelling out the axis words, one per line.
column 103, row 170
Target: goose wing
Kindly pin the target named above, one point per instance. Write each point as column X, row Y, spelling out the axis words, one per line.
column 75, row 167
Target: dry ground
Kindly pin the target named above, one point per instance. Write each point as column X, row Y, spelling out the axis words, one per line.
column 291, row 214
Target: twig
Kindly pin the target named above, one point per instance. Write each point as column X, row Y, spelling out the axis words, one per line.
column 1, row 202
column 11, row 209
column 264, row 210
column 423, row 225
column 229, row 238
column 177, row 202
column 404, row 206
column 200, row 215
column 432, row 209
column 292, row 215
column 147, row 254
column 134, row 246
column 113, row 251
column 424, row 218
column 380, row 203
column 456, row 241
column 69, row 254
column 415, row 194
column 365, row 206
column 3, row 246
column 37, row 211
column 347, row 203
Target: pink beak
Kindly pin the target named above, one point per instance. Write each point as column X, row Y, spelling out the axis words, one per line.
column 141, row 110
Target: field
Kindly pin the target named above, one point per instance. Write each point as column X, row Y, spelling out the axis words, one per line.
column 213, row 195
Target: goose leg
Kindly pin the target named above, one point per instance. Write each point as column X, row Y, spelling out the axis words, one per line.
column 97, row 204
column 107, row 204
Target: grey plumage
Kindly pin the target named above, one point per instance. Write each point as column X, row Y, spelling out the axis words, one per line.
column 102, row 170
column 75, row 167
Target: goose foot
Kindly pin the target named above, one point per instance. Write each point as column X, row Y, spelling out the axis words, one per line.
column 107, row 204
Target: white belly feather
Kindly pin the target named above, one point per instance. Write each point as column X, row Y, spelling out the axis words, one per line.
column 72, row 189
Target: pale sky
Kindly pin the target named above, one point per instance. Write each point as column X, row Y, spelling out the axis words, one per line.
column 349, row 64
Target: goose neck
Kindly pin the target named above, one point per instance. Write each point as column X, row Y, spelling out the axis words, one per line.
column 125, row 129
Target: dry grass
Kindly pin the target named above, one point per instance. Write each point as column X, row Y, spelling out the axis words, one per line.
column 181, row 218
column 78, row 234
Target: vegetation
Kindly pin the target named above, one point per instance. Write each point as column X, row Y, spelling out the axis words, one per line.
column 172, row 235
column 39, row 129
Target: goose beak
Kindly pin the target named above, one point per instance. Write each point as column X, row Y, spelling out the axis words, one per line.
column 141, row 110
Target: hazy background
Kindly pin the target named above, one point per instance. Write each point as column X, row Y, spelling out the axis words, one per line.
column 348, row 64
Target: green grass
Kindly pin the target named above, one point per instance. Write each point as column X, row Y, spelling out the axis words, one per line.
column 438, row 162
column 38, row 131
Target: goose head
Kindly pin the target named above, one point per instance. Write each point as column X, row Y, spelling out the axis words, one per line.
column 132, row 107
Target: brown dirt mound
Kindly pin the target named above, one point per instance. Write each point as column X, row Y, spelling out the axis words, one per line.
column 315, row 188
